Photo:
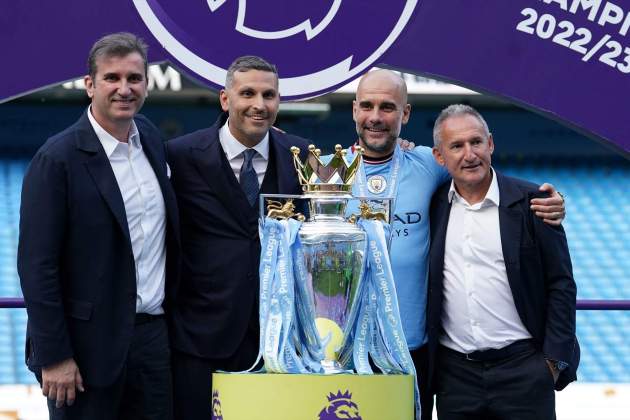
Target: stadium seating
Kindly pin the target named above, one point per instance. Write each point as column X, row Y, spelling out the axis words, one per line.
column 598, row 231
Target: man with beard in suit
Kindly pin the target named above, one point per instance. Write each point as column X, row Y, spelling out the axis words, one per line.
column 218, row 174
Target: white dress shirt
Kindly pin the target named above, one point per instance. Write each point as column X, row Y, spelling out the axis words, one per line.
column 478, row 310
column 145, row 211
column 234, row 152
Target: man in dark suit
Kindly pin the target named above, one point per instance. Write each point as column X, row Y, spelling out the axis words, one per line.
column 98, row 247
column 501, row 308
column 218, row 174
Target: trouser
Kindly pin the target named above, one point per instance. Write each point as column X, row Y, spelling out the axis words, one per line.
column 519, row 386
column 420, row 358
column 143, row 391
column 192, row 378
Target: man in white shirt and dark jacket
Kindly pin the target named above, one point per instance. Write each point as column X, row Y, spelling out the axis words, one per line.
column 99, row 250
column 501, row 305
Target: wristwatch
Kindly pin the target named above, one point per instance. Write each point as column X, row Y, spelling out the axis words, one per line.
column 558, row 365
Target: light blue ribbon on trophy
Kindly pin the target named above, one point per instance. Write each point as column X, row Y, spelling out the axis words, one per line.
column 378, row 327
column 276, row 301
column 285, row 347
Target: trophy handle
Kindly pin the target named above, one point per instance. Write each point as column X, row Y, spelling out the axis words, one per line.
column 277, row 210
column 367, row 213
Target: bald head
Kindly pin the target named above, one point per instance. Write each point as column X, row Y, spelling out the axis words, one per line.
column 379, row 110
column 385, row 80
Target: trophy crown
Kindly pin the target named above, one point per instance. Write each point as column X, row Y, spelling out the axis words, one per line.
column 333, row 177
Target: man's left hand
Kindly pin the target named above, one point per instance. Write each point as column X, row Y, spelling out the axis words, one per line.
column 405, row 145
column 551, row 209
column 554, row 372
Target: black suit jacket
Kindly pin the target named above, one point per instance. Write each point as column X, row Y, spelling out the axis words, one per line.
column 216, row 299
column 538, row 268
column 75, row 259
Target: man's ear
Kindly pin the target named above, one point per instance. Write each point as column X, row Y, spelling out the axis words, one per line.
column 223, row 98
column 406, row 113
column 354, row 110
column 491, row 143
column 437, row 155
column 89, row 85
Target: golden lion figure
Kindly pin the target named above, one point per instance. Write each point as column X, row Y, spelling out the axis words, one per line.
column 367, row 213
column 277, row 210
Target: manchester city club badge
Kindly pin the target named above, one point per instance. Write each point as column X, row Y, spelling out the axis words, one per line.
column 376, row 184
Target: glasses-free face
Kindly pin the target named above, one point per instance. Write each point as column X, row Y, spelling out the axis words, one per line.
column 252, row 102
column 379, row 112
column 466, row 151
column 118, row 89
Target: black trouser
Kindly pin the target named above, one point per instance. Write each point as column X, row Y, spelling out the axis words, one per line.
column 516, row 387
column 192, row 378
column 143, row 391
column 420, row 359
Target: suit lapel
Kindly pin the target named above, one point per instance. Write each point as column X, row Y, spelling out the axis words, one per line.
column 211, row 162
column 285, row 171
column 438, row 240
column 510, row 223
column 159, row 168
column 102, row 174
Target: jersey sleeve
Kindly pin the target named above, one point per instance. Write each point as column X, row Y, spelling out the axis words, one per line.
column 437, row 172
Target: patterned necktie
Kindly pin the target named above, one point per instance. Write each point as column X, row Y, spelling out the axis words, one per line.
column 248, row 177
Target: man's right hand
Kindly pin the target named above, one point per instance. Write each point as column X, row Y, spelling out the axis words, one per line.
column 60, row 380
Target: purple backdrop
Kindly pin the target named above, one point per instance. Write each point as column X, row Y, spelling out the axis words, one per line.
column 564, row 58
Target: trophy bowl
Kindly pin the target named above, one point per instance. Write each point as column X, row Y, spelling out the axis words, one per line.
column 334, row 253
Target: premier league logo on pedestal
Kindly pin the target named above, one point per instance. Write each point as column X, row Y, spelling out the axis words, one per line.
column 340, row 406
column 317, row 45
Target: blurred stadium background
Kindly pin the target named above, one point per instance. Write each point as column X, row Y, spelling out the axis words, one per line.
column 595, row 181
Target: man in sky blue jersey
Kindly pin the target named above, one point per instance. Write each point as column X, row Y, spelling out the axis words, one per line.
column 410, row 178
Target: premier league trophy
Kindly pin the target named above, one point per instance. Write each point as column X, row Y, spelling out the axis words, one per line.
column 333, row 248
column 328, row 306
column 327, row 297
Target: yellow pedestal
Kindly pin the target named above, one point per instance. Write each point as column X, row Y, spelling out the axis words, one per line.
column 312, row 397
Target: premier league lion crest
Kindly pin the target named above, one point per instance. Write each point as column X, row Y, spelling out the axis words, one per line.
column 317, row 45
column 340, row 406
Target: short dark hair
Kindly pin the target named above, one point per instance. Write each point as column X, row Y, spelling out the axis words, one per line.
column 246, row 63
column 118, row 44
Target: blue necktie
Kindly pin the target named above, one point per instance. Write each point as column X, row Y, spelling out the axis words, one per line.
column 248, row 177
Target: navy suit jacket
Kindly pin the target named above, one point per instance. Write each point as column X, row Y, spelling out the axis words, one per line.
column 538, row 268
column 75, row 259
column 216, row 299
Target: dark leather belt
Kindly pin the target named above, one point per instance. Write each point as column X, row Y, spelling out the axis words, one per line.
column 143, row 318
column 493, row 354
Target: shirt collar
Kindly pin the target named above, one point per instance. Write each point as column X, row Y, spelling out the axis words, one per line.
column 492, row 196
column 110, row 142
column 234, row 148
column 372, row 161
